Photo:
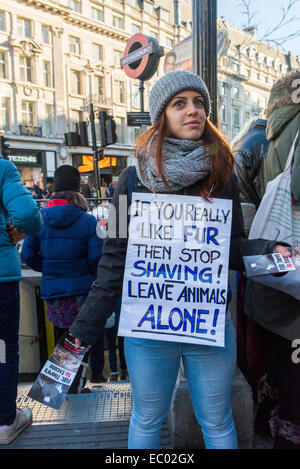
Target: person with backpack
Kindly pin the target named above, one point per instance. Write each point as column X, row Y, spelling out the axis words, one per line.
column 182, row 153
column 66, row 251
column 277, row 312
column 19, row 216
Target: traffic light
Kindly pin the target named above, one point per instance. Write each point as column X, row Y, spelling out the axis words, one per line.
column 72, row 139
column 107, row 129
column 4, row 147
column 78, row 138
column 82, row 128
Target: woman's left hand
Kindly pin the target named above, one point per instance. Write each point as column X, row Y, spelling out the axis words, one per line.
column 15, row 234
column 283, row 250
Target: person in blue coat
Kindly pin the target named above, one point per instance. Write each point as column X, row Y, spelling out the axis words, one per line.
column 19, row 215
column 66, row 251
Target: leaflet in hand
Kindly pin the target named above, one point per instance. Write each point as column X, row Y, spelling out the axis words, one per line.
column 58, row 373
column 272, row 263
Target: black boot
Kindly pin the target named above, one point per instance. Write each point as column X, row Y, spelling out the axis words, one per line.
column 263, row 415
column 283, row 443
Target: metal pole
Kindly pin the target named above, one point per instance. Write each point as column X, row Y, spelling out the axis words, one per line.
column 95, row 150
column 141, row 90
column 205, row 48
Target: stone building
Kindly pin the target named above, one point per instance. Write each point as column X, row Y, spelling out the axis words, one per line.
column 246, row 74
column 56, row 57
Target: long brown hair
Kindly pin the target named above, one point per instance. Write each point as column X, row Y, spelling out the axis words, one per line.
column 74, row 197
column 216, row 146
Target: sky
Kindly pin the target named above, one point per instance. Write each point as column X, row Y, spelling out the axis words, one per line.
column 268, row 14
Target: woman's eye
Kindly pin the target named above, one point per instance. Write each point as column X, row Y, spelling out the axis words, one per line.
column 199, row 103
column 178, row 103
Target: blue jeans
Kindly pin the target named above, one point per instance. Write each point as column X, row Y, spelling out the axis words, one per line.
column 153, row 368
column 9, row 335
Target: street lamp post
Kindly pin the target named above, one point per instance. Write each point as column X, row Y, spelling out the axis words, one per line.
column 205, row 48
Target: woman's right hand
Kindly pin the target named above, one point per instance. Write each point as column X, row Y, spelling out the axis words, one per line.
column 78, row 343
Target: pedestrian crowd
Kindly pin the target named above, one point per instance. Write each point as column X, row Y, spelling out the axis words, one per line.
column 181, row 154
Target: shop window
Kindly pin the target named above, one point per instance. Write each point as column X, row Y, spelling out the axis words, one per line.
column 74, row 45
column 47, row 73
column 23, row 27
column 4, row 113
column 76, row 82
column 3, row 70
column 26, row 69
column 28, row 113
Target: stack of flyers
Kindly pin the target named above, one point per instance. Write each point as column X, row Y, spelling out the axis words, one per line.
column 272, row 263
column 58, row 373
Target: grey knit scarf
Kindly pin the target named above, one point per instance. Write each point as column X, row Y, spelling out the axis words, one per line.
column 184, row 163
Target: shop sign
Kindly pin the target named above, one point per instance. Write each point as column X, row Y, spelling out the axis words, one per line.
column 24, row 160
column 141, row 57
column 136, row 119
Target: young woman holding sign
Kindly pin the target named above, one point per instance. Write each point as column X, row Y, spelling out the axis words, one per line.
column 182, row 153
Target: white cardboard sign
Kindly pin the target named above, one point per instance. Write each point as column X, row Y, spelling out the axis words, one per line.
column 176, row 272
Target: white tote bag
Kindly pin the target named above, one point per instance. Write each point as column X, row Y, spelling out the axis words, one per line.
column 278, row 218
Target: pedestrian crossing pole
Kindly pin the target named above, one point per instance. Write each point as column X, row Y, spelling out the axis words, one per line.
column 205, row 48
column 95, row 151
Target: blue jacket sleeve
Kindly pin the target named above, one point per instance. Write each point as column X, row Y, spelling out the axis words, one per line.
column 95, row 245
column 18, row 202
column 30, row 253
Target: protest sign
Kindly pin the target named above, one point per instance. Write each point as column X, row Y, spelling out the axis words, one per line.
column 55, row 378
column 176, row 271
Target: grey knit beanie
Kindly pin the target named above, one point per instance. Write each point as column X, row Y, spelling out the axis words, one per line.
column 172, row 83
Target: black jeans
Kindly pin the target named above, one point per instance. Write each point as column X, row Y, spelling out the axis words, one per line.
column 282, row 391
column 9, row 350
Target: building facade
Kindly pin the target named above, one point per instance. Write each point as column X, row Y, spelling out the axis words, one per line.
column 58, row 56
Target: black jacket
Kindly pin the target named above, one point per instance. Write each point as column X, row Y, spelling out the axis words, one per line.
column 107, row 288
column 249, row 153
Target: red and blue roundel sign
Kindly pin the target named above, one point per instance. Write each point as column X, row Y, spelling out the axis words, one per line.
column 141, row 57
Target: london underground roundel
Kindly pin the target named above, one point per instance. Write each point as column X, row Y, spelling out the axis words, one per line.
column 141, row 57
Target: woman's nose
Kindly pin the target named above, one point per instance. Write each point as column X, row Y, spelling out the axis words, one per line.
column 192, row 109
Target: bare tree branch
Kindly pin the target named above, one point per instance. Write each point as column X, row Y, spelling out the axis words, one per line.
column 246, row 4
column 284, row 20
